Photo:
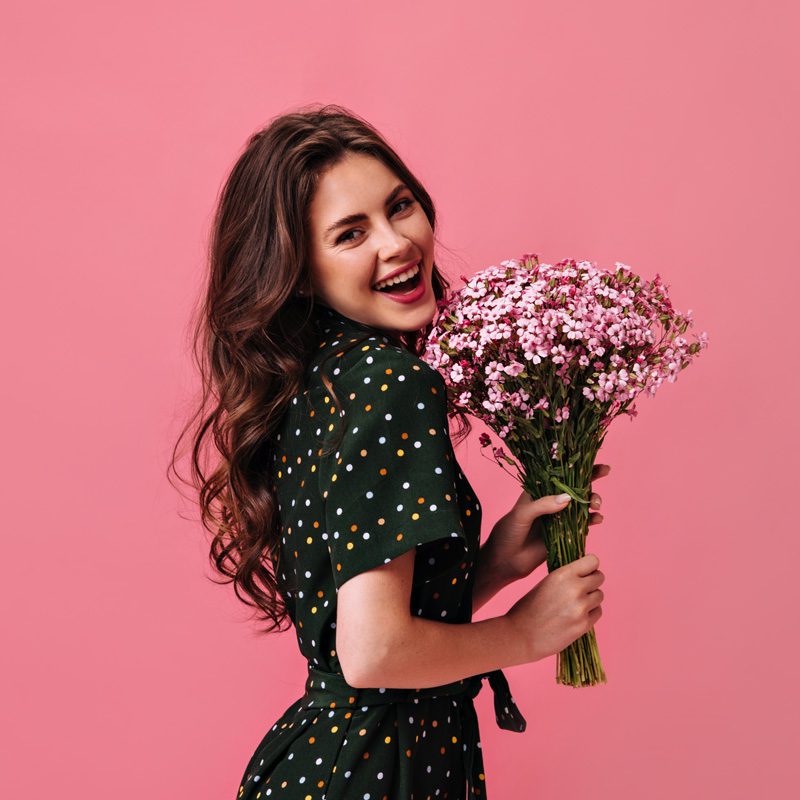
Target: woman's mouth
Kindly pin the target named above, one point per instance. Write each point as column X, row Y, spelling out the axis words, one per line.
column 403, row 287
column 408, row 290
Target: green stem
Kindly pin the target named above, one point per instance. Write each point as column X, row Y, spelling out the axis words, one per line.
column 564, row 536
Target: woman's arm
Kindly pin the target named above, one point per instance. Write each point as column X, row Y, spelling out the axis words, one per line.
column 379, row 641
column 490, row 576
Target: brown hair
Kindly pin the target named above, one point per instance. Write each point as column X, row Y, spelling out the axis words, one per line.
column 254, row 335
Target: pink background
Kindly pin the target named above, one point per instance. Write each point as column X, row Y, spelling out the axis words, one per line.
column 661, row 135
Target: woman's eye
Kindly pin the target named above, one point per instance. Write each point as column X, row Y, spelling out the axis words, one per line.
column 405, row 200
column 343, row 237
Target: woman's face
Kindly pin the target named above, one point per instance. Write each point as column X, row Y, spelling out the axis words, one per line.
column 348, row 259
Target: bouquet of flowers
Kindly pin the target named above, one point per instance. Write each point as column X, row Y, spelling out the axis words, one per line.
column 547, row 356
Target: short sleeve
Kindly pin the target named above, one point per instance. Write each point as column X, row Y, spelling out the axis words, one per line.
column 392, row 484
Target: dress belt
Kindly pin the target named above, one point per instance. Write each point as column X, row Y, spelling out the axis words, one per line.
column 329, row 689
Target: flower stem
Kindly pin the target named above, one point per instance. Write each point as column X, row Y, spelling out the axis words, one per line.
column 564, row 536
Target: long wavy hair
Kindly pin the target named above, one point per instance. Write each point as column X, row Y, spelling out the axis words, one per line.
column 253, row 336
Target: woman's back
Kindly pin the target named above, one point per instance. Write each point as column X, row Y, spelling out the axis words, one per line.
column 393, row 484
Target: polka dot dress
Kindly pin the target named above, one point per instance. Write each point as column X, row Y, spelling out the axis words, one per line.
column 392, row 485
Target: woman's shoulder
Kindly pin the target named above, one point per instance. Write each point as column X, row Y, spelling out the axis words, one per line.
column 374, row 363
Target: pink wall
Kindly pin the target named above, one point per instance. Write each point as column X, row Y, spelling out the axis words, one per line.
column 661, row 135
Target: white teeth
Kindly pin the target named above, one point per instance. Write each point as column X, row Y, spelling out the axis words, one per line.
column 403, row 276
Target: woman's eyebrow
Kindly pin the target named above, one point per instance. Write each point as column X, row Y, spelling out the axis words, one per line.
column 353, row 218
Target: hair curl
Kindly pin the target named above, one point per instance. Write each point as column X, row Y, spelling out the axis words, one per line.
column 253, row 336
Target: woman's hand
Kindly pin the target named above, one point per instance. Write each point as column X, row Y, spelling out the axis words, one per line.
column 515, row 546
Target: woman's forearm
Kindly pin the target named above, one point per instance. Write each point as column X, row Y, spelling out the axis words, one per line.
column 490, row 577
column 428, row 653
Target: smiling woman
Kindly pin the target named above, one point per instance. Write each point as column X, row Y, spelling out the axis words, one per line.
column 322, row 291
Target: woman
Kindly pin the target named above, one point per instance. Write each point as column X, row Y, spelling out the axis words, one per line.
column 337, row 500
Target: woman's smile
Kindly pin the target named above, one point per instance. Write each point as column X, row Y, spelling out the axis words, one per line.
column 411, row 288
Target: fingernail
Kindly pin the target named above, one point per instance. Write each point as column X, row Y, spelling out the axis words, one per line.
column 562, row 498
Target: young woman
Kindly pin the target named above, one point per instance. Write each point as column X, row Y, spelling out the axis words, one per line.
column 337, row 500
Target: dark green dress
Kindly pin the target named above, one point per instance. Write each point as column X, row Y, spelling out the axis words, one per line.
column 393, row 484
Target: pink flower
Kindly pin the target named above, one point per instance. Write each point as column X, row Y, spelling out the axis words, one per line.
column 570, row 330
